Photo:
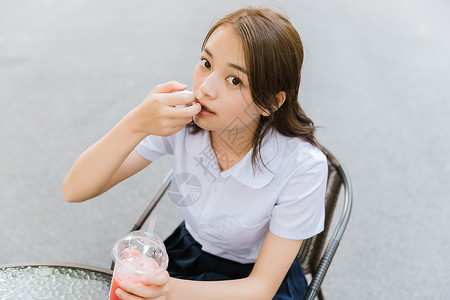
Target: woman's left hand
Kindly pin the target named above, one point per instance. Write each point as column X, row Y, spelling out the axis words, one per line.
column 155, row 287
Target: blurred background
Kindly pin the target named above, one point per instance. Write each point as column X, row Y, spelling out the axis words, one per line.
column 375, row 80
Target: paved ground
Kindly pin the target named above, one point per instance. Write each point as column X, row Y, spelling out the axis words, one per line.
column 375, row 78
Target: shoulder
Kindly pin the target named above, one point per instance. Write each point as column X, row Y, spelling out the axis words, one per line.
column 301, row 153
column 301, row 162
column 302, row 178
column 287, row 156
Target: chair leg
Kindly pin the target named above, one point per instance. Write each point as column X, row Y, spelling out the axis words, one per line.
column 319, row 294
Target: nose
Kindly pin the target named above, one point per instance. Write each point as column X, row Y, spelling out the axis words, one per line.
column 208, row 88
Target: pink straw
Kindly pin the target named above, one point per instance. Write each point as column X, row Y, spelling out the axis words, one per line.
column 151, row 225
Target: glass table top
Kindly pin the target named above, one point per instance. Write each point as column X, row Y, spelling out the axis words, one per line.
column 30, row 282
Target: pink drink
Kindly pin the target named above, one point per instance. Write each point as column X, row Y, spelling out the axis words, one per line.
column 130, row 269
column 135, row 255
column 114, row 286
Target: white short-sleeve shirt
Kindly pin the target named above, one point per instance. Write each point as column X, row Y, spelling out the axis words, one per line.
column 230, row 212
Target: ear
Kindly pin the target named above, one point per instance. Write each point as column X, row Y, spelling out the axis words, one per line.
column 281, row 97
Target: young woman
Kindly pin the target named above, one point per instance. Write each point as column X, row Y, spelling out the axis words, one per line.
column 260, row 178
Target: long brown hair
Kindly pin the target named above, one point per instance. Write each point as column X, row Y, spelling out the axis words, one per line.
column 273, row 53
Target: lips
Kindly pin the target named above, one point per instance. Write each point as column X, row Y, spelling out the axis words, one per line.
column 204, row 107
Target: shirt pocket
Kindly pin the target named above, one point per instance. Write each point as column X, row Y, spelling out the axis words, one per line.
column 244, row 240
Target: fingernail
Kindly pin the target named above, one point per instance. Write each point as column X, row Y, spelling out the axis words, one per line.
column 123, row 285
column 119, row 293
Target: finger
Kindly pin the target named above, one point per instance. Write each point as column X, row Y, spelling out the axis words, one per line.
column 160, row 278
column 169, row 87
column 177, row 99
column 140, row 290
column 186, row 111
column 178, row 128
column 124, row 295
column 179, row 123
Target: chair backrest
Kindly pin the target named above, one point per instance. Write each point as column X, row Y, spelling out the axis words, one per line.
column 314, row 260
column 312, row 248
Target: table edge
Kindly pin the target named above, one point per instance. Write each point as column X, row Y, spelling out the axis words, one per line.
column 57, row 264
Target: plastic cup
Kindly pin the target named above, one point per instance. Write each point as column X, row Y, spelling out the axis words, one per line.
column 136, row 254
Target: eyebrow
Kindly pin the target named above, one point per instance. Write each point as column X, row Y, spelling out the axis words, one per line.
column 230, row 64
column 238, row 68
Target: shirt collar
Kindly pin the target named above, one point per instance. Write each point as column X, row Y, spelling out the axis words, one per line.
column 272, row 152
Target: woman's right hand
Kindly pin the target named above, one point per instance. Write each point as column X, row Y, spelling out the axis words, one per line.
column 112, row 159
column 158, row 114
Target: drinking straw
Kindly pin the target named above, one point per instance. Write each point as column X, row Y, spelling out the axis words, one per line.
column 151, row 225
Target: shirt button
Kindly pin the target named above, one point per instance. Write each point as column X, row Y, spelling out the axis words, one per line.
column 202, row 226
column 216, row 189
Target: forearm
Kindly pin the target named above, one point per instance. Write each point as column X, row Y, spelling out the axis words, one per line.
column 246, row 289
column 91, row 172
column 159, row 114
column 274, row 260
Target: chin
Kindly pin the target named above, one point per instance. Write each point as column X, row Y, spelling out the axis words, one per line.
column 201, row 123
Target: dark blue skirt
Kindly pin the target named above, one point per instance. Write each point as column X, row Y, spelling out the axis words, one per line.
column 188, row 261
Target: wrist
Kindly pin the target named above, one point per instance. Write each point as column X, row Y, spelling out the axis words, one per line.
column 171, row 287
column 134, row 126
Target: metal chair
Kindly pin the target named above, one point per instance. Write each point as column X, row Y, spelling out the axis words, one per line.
column 314, row 260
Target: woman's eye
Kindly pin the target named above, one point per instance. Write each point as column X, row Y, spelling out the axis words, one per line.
column 205, row 63
column 233, row 80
